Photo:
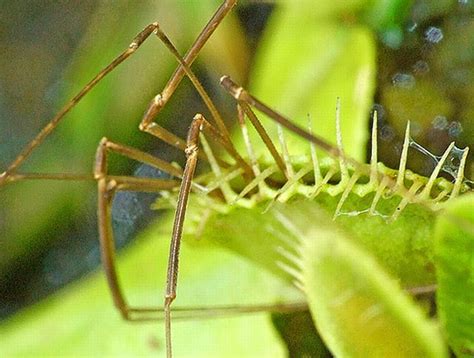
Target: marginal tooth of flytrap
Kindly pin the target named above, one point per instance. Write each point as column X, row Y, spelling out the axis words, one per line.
column 373, row 183
column 342, row 161
column 318, row 178
column 285, row 189
column 229, row 195
column 374, row 149
column 438, row 202
column 344, row 170
column 317, row 189
column 460, row 176
column 300, row 286
column 284, row 239
column 406, row 200
column 378, row 195
column 262, row 187
column 403, row 158
column 290, row 270
column 425, row 194
column 441, row 196
column 256, row 181
column 289, row 225
column 291, row 257
column 225, row 178
column 248, row 143
column 345, row 194
column 286, row 156
column 200, row 188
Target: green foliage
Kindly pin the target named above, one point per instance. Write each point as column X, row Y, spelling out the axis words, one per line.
column 454, row 249
column 358, row 308
column 352, row 270
column 304, row 77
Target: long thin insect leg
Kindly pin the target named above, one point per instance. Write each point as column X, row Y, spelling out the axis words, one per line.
column 265, row 137
column 209, row 312
column 162, row 98
column 155, row 106
column 49, row 176
column 107, row 187
column 147, row 123
column 192, row 150
column 224, row 133
column 138, row 155
column 318, row 178
column 41, row 136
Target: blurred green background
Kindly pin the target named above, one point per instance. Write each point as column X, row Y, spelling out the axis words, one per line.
column 49, row 233
column 425, row 61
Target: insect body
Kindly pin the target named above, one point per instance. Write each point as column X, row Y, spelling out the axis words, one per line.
column 295, row 194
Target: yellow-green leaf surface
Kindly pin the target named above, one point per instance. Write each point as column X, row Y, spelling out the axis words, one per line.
column 305, row 63
column 403, row 247
column 358, row 308
column 81, row 320
column 454, row 260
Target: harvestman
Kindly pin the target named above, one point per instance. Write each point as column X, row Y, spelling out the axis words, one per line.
column 108, row 185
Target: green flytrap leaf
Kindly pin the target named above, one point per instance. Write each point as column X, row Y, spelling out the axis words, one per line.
column 358, row 308
column 404, row 247
column 384, row 317
column 454, row 260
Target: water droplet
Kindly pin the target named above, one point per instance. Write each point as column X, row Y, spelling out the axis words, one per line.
column 440, row 122
column 392, row 38
column 421, row 67
column 455, row 129
column 380, row 112
column 403, row 80
column 387, row 133
column 434, row 34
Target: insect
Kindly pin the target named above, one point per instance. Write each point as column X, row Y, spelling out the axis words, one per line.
column 256, row 184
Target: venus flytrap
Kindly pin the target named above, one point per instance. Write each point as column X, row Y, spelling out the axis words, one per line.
column 351, row 239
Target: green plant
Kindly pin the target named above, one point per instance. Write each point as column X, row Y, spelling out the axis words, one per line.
column 352, row 271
